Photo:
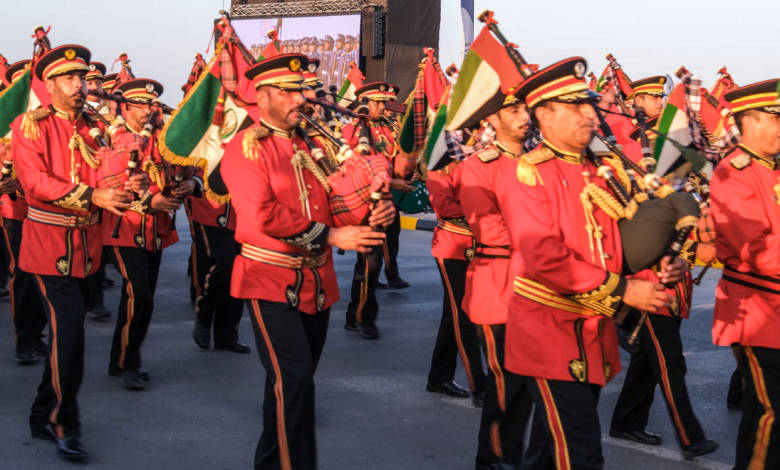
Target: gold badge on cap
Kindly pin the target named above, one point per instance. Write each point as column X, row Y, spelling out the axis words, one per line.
column 382, row 88
column 295, row 65
column 579, row 70
column 312, row 67
column 149, row 88
column 70, row 54
column 92, row 67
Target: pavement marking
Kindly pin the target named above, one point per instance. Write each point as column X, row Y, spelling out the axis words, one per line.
column 666, row 454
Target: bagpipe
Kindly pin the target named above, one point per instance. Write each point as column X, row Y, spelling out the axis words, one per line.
column 355, row 181
column 655, row 221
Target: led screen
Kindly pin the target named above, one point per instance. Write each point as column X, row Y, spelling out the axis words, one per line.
column 335, row 40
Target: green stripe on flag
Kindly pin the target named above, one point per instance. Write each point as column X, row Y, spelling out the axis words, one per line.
column 193, row 118
column 667, row 117
column 436, row 147
column 13, row 102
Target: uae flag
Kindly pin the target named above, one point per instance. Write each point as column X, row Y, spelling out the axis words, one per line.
column 436, row 145
column 486, row 77
column 673, row 131
column 209, row 116
column 354, row 80
column 19, row 98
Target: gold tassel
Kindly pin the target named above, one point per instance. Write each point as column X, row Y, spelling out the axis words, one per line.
column 250, row 144
column 527, row 173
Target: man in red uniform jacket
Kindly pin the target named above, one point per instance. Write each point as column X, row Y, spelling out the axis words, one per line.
column 507, row 403
column 744, row 198
column 285, row 270
column 566, row 262
column 27, row 310
column 363, row 307
column 658, row 358
column 56, row 163
column 144, row 231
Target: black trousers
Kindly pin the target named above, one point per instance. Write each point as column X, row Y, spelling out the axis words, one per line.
column 659, row 360
column 92, row 289
column 56, row 402
column 758, row 439
column 363, row 307
column 27, row 310
column 200, row 260
column 289, row 343
column 139, row 269
column 507, row 404
column 566, row 431
column 391, row 246
column 457, row 335
column 215, row 305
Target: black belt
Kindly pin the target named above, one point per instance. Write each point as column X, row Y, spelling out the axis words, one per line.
column 494, row 252
column 770, row 284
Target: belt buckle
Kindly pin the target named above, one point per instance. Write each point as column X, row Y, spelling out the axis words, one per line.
column 83, row 220
column 310, row 262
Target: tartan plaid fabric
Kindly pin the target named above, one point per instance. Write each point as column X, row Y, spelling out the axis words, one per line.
column 352, row 185
column 419, row 113
column 197, row 68
column 712, row 146
column 457, row 150
column 227, row 71
column 453, row 140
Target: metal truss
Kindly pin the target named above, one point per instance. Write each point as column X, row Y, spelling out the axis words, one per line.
column 298, row 8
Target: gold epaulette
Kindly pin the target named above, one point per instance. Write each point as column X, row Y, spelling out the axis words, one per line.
column 526, row 165
column 30, row 120
column 488, row 155
column 741, row 161
column 251, row 142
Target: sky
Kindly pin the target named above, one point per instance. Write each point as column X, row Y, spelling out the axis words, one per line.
column 162, row 37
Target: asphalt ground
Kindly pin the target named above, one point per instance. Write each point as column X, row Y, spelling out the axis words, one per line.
column 202, row 409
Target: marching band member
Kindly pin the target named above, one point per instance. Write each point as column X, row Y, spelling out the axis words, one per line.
column 285, row 270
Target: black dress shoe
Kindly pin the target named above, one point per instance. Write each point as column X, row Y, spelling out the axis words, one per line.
column 703, row 447
column 368, row 330
column 639, row 436
column 233, row 346
column 143, row 374
column 99, row 314
column 43, row 431
column 448, row 388
column 381, row 285
column 202, row 336
column 132, row 380
column 350, row 325
column 26, row 356
column 108, row 282
column 478, row 399
column 40, row 349
column 4, row 292
column 70, row 448
column 397, row 283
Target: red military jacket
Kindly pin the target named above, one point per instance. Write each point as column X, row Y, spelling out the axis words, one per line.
column 11, row 209
column 744, row 201
column 452, row 238
column 141, row 227
column 488, row 280
column 58, row 184
column 211, row 214
column 559, row 324
column 283, row 219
